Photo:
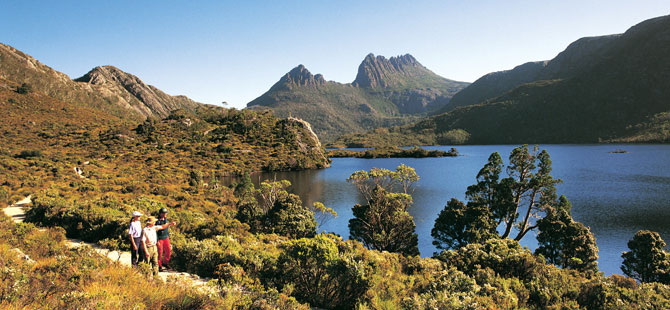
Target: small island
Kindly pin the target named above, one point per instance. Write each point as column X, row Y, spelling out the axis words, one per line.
column 618, row 151
column 393, row 152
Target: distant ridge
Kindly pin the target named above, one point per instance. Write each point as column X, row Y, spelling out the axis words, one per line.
column 613, row 88
column 578, row 57
column 104, row 88
column 385, row 92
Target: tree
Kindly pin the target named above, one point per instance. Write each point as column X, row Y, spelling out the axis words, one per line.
column 195, row 178
column 530, row 184
column 402, row 178
column 269, row 192
column 322, row 214
column 271, row 209
column 564, row 242
column 384, row 223
column 248, row 209
column 495, row 201
column 288, row 217
column 458, row 225
column 646, row 261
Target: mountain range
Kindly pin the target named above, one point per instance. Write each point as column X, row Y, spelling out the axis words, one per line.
column 386, row 92
column 109, row 113
column 613, row 88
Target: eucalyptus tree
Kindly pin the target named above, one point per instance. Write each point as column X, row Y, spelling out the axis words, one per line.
column 510, row 202
column 384, row 223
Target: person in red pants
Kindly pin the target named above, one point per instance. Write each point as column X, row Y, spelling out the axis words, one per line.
column 163, row 244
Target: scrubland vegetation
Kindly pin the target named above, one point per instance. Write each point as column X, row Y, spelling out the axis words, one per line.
column 261, row 245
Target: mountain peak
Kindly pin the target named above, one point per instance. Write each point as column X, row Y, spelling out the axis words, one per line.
column 377, row 71
column 146, row 99
column 109, row 74
column 300, row 77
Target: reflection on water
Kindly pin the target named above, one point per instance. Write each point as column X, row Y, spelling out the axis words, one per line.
column 614, row 194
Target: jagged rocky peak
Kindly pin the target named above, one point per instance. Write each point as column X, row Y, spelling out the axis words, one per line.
column 105, row 74
column 146, row 99
column 377, row 71
column 300, row 76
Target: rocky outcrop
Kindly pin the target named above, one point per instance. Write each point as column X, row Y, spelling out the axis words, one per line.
column 133, row 92
column 299, row 77
column 19, row 67
column 308, row 143
column 378, row 71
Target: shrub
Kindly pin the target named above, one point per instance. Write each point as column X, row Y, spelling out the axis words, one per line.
column 322, row 275
column 24, row 88
column 29, row 154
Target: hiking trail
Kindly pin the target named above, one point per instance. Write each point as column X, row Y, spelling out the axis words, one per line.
column 17, row 213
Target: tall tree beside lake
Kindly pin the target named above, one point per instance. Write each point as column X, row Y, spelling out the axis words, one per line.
column 647, row 261
column 564, row 242
column 528, row 191
column 384, row 223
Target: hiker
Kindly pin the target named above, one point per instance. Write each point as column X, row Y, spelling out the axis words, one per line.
column 164, row 248
column 149, row 240
column 135, row 234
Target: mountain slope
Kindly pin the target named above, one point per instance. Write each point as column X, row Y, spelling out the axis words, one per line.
column 619, row 92
column 385, row 92
column 104, row 88
column 578, row 57
column 131, row 91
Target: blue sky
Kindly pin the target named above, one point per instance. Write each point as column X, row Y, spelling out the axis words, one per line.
column 214, row 51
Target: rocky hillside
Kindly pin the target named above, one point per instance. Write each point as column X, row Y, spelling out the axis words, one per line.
column 298, row 77
column 385, row 92
column 105, row 88
column 133, row 92
column 602, row 89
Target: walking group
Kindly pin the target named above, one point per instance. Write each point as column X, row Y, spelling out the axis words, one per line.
column 151, row 243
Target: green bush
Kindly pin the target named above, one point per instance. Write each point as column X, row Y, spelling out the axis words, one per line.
column 322, row 275
column 29, row 154
column 24, row 88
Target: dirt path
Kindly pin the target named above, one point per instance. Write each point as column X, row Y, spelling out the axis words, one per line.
column 17, row 213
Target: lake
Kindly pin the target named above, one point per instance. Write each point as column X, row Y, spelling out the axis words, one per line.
column 615, row 194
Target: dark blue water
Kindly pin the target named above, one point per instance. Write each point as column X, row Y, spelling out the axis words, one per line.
column 614, row 194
